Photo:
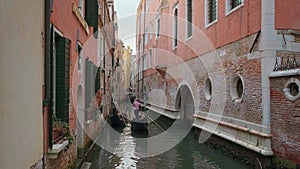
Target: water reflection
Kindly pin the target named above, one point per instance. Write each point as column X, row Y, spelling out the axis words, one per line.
column 126, row 150
column 187, row 154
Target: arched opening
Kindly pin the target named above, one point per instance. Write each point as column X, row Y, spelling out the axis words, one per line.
column 185, row 104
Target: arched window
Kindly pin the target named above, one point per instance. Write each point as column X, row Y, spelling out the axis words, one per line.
column 175, row 28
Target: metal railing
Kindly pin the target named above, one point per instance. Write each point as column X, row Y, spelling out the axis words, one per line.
column 287, row 63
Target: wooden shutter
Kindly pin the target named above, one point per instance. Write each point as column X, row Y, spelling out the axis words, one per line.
column 88, row 77
column 97, row 78
column 190, row 17
column 62, row 78
column 212, row 10
column 91, row 14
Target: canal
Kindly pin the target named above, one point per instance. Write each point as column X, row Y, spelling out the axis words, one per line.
column 186, row 155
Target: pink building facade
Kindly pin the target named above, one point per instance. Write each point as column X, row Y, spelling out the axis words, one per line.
column 214, row 62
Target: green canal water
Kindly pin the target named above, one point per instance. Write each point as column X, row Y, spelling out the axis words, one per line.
column 187, row 154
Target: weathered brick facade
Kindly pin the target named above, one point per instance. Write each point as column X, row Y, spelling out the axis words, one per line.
column 285, row 121
column 244, row 44
column 66, row 159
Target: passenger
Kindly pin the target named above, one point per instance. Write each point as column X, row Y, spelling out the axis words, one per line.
column 136, row 107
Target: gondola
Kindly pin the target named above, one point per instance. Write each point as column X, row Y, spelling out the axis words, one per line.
column 140, row 121
column 117, row 119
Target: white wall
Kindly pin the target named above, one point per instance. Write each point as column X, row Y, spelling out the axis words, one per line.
column 21, row 78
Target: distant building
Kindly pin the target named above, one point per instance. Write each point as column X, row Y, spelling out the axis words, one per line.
column 215, row 59
column 126, row 63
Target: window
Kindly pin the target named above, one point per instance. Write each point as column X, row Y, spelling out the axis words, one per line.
column 151, row 31
column 146, row 62
column 146, row 36
column 231, row 5
column 62, row 78
column 175, row 27
column 189, row 16
column 154, row 56
column 150, row 58
column 292, row 89
column 157, row 28
column 211, row 11
column 91, row 14
column 79, row 58
column 237, row 89
column 207, row 89
column 147, row 5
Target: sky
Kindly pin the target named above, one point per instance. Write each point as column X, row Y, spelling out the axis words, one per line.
column 126, row 10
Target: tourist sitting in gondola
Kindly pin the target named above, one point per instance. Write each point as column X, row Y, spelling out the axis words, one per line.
column 140, row 120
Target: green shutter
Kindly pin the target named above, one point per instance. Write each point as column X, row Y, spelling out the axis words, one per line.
column 91, row 14
column 97, row 79
column 88, row 78
column 62, row 78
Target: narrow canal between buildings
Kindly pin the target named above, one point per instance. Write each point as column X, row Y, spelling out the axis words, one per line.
column 187, row 154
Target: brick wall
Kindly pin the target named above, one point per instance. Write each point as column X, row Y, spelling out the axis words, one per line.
column 285, row 121
column 65, row 159
column 234, row 61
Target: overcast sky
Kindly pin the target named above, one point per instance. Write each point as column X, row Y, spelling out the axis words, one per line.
column 126, row 10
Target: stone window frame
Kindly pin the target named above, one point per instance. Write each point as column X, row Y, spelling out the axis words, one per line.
column 287, row 92
column 208, row 89
column 233, row 88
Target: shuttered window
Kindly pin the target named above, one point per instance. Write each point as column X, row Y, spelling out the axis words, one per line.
column 88, row 84
column 62, row 78
column 211, row 10
column 92, row 85
column 97, row 78
column 233, row 4
column 91, row 14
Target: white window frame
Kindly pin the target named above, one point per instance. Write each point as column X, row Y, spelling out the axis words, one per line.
column 158, row 27
column 151, row 30
column 146, row 36
column 146, row 62
column 229, row 11
column 187, row 22
column 206, row 14
column 174, row 27
column 154, row 51
column 147, row 5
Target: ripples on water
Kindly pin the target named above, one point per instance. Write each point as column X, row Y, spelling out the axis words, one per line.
column 187, row 154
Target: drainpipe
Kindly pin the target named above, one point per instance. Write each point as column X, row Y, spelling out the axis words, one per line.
column 144, row 94
column 47, row 66
column 139, row 50
column 113, row 38
column 104, row 54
